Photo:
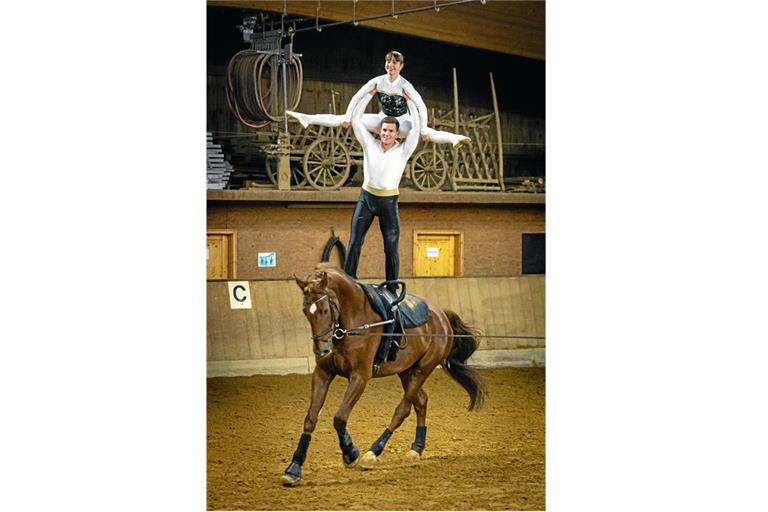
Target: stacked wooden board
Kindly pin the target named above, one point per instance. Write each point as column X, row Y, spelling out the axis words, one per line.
column 218, row 169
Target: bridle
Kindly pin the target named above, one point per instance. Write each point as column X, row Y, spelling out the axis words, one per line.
column 335, row 330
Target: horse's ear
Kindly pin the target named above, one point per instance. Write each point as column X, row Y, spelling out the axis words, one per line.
column 302, row 284
column 323, row 281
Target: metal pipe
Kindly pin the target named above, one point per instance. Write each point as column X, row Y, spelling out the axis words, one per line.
column 393, row 14
column 285, row 93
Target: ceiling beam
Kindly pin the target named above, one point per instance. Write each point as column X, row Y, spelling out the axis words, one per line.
column 511, row 27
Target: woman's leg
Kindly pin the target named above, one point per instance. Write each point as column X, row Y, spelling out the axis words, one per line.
column 371, row 121
column 405, row 125
column 318, row 119
column 441, row 137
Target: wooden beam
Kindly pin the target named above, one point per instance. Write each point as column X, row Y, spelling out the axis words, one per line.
column 515, row 28
column 499, row 140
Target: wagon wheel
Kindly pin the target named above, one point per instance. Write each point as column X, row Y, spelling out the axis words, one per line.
column 428, row 170
column 297, row 175
column 326, row 164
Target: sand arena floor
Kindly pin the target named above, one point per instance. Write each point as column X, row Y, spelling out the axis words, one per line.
column 492, row 459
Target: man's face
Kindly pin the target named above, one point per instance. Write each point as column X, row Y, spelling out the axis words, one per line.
column 393, row 67
column 387, row 133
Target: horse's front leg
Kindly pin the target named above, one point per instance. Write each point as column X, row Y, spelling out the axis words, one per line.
column 321, row 380
column 349, row 452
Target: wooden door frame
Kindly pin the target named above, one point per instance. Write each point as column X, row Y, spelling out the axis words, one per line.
column 232, row 248
column 458, row 255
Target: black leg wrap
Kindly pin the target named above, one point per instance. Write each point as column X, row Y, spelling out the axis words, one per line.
column 349, row 451
column 378, row 446
column 294, row 468
column 301, row 451
column 421, row 440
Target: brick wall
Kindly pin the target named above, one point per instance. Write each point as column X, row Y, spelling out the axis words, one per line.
column 298, row 232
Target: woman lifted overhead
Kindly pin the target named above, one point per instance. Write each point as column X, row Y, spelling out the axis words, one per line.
column 393, row 92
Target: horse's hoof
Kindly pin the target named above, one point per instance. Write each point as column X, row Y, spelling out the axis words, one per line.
column 352, row 459
column 413, row 456
column 292, row 474
column 368, row 460
column 290, row 480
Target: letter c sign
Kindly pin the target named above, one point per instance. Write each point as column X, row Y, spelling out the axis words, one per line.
column 239, row 294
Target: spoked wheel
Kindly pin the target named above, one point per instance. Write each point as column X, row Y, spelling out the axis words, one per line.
column 428, row 170
column 326, row 164
column 297, row 175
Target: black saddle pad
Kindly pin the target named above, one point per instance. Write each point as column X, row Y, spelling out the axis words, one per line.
column 413, row 310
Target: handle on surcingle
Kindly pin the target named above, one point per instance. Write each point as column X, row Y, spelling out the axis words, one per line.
column 399, row 283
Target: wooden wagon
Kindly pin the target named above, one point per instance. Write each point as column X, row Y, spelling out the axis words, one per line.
column 327, row 158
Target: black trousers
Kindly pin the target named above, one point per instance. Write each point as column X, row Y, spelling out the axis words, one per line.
column 368, row 207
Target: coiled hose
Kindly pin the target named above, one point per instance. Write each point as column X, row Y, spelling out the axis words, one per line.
column 250, row 95
column 339, row 245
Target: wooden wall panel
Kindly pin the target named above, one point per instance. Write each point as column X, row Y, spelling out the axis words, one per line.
column 276, row 330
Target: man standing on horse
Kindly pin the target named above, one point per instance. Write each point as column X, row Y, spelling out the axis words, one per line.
column 384, row 162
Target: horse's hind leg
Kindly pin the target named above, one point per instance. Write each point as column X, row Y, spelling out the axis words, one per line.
column 417, row 447
column 412, row 381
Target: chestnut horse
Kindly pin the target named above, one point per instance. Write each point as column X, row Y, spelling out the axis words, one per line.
column 334, row 303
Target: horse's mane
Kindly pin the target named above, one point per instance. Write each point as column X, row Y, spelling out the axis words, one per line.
column 335, row 274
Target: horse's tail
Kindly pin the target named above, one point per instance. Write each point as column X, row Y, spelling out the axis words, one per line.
column 456, row 362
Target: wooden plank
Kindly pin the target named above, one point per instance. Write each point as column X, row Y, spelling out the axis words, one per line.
column 517, row 315
column 264, row 332
column 516, row 301
column 539, row 309
column 535, row 314
column 252, row 330
column 505, row 304
column 278, row 307
column 430, row 293
column 526, row 307
column 477, row 317
column 474, row 314
column 215, row 350
column 290, row 299
column 452, row 291
column 493, row 320
column 232, row 326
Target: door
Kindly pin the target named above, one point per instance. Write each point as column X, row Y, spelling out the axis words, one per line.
column 437, row 254
column 220, row 255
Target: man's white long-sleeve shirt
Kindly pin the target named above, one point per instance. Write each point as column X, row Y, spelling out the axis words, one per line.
column 383, row 170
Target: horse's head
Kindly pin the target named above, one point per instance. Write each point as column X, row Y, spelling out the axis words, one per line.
column 322, row 310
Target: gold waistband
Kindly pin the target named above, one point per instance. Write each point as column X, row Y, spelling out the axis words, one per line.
column 381, row 192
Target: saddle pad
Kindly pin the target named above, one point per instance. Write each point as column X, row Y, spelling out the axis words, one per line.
column 413, row 310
